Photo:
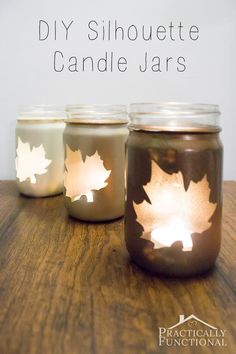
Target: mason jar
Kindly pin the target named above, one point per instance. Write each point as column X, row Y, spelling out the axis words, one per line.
column 94, row 141
column 174, row 187
column 39, row 150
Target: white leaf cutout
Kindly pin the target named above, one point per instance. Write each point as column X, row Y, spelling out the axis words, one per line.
column 174, row 214
column 30, row 163
column 81, row 177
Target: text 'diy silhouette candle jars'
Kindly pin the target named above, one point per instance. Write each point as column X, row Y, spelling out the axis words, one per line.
column 174, row 178
column 94, row 141
column 39, row 150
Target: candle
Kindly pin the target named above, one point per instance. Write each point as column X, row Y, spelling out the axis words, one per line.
column 39, row 150
column 174, row 231
column 94, row 141
column 173, row 207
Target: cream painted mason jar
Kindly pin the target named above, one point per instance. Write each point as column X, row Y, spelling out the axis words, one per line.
column 94, row 140
column 39, row 150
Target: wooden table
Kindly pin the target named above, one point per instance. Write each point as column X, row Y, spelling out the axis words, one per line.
column 69, row 287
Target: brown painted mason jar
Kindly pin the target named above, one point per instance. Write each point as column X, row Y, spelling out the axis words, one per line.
column 94, row 140
column 174, row 187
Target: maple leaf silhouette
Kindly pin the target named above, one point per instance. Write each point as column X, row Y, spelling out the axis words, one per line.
column 81, row 177
column 30, row 162
column 174, row 213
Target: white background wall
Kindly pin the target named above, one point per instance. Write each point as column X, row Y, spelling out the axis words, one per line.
column 26, row 74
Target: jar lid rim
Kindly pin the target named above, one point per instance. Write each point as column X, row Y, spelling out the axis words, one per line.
column 42, row 120
column 104, row 121
column 41, row 112
column 98, row 108
column 174, row 116
column 176, row 129
column 170, row 109
column 97, row 114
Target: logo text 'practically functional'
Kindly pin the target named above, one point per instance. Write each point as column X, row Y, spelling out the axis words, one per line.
column 191, row 332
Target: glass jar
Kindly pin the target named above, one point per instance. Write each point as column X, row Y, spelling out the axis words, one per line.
column 94, row 141
column 39, row 150
column 174, row 187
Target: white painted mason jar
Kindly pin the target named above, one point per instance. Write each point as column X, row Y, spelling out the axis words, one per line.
column 94, row 140
column 39, row 150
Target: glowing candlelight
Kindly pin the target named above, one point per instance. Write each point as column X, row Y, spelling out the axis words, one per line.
column 89, row 197
column 174, row 213
column 30, row 162
column 174, row 231
column 83, row 176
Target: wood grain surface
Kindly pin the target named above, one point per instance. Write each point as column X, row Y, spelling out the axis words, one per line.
column 70, row 287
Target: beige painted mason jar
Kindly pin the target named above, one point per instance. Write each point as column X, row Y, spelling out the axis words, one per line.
column 94, row 141
column 39, row 150
column 174, row 187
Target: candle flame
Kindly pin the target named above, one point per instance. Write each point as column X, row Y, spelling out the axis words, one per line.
column 174, row 231
column 89, row 197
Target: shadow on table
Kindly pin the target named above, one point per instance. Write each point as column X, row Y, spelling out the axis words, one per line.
column 137, row 270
